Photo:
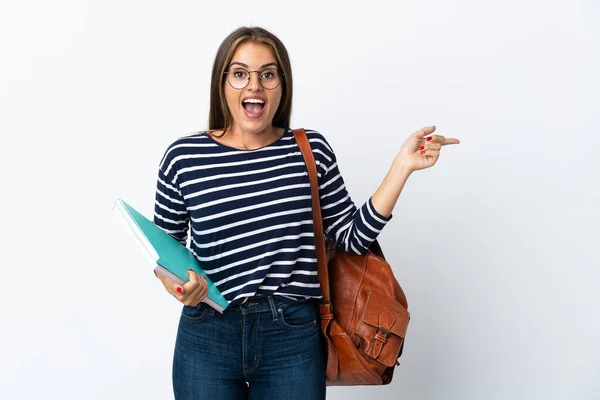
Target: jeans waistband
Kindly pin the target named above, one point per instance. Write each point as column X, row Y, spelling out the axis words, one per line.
column 258, row 304
column 265, row 303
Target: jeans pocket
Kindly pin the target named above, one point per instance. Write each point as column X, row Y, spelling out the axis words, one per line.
column 297, row 316
column 194, row 313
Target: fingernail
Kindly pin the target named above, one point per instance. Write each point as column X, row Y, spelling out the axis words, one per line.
column 429, row 138
column 180, row 290
column 422, row 152
column 421, row 148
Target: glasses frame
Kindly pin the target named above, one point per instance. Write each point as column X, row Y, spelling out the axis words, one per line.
column 259, row 78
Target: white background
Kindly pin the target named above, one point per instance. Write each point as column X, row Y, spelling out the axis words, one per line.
column 496, row 246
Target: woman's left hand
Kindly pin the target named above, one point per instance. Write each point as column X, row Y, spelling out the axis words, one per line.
column 422, row 149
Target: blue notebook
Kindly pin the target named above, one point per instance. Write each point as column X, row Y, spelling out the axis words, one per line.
column 172, row 259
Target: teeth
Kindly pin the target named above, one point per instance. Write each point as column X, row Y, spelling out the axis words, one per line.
column 258, row 101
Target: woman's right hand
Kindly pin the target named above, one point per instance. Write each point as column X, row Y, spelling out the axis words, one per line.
column 190, row 293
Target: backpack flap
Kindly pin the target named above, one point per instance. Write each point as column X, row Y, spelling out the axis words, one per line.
column 383, row 327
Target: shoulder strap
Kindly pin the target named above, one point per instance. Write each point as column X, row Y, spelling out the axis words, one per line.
column 325, row 308
column 311, row 165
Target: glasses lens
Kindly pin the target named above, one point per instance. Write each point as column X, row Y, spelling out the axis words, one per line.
column 270, row 78
column 238, row 78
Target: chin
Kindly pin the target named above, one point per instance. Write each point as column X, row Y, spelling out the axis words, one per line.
column 254, row 127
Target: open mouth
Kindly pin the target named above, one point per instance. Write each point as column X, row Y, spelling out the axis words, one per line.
column 253, row 107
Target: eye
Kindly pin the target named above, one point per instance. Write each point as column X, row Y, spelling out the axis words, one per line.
column 269, row 74
column 239, row 73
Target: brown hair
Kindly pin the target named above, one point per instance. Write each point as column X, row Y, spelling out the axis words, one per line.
column 219, row 114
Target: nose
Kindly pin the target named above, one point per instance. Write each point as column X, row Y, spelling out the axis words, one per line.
column 254, row 83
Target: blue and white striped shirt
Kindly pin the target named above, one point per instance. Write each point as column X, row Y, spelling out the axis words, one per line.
column 250, row 212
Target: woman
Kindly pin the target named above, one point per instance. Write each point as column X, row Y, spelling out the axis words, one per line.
column 244, row 188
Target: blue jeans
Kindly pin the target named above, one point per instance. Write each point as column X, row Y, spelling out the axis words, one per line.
column 267, row 348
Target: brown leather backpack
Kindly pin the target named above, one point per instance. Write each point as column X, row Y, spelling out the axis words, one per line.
column 363, row 313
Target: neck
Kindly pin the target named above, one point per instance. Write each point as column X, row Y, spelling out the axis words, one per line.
column 251, row 140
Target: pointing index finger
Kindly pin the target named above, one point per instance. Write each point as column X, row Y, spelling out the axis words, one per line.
column 451, row 141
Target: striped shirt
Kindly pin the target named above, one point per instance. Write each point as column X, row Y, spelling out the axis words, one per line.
column 250, row 213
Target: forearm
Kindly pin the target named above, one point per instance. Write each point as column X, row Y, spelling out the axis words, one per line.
column 386, row 196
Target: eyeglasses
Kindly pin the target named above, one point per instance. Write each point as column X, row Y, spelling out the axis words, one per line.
column 238, row 78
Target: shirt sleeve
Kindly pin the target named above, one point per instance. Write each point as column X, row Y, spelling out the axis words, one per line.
column 352, row 228
column 170, row 212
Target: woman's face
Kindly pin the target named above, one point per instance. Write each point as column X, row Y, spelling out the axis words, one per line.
column 253, row 107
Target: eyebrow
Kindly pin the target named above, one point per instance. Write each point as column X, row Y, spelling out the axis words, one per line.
column 271, row 64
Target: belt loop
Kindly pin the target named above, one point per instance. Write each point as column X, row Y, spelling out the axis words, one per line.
column 273, row 308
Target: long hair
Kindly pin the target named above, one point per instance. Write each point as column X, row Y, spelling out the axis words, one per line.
column 219, row 114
